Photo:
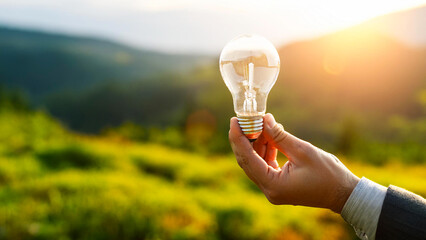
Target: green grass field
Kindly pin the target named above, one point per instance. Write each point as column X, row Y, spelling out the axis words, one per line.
column 55, row 184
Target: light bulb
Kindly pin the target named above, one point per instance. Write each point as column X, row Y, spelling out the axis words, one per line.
column 249, row 65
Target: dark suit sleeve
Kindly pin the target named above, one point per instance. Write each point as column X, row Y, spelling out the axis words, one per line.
column 403, row 216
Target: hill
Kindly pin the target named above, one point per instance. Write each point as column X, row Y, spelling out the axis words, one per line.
column 356, row 71
column 357, row 68
column 41, row 63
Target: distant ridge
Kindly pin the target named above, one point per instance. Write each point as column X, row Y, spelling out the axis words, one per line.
column 42, row 63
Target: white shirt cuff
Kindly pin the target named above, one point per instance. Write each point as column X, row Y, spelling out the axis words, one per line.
column 363, row 207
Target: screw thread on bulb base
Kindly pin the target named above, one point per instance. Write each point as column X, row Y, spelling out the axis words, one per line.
column 251, row 126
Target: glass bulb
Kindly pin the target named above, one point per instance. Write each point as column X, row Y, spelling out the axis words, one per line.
column 249, row 65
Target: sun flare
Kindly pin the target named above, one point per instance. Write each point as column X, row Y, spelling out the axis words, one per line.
column 348, row 13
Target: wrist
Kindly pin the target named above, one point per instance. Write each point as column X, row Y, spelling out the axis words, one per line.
column 344, row 190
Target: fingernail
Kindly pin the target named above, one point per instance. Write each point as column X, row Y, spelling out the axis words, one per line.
column 270, row 121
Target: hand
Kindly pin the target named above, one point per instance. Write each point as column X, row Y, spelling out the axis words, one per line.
column 311, row 176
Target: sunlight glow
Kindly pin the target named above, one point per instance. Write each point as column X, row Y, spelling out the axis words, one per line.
column 346, row 13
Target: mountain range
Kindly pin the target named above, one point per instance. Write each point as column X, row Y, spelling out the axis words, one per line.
column 367, row 74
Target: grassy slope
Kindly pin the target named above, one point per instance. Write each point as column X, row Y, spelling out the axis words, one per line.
column 55, row 184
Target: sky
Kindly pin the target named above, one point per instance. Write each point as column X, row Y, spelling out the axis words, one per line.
column 194, row 26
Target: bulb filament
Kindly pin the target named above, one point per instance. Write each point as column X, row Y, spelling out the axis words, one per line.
column 250, row 104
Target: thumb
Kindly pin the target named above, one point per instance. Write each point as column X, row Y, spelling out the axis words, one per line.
column 286, row 143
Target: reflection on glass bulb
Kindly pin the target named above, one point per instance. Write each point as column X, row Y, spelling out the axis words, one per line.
column 249, row 65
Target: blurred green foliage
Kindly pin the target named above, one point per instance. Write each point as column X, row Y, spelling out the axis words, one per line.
column 12, row 100
column 61, row 185
column 71, row 155
column 68, row 186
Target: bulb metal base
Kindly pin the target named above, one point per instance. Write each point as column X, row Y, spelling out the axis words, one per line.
column 251, row 126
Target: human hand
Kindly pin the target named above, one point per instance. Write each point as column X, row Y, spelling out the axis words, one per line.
column 311, row 176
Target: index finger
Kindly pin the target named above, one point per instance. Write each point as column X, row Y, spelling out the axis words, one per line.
column 252, row 164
